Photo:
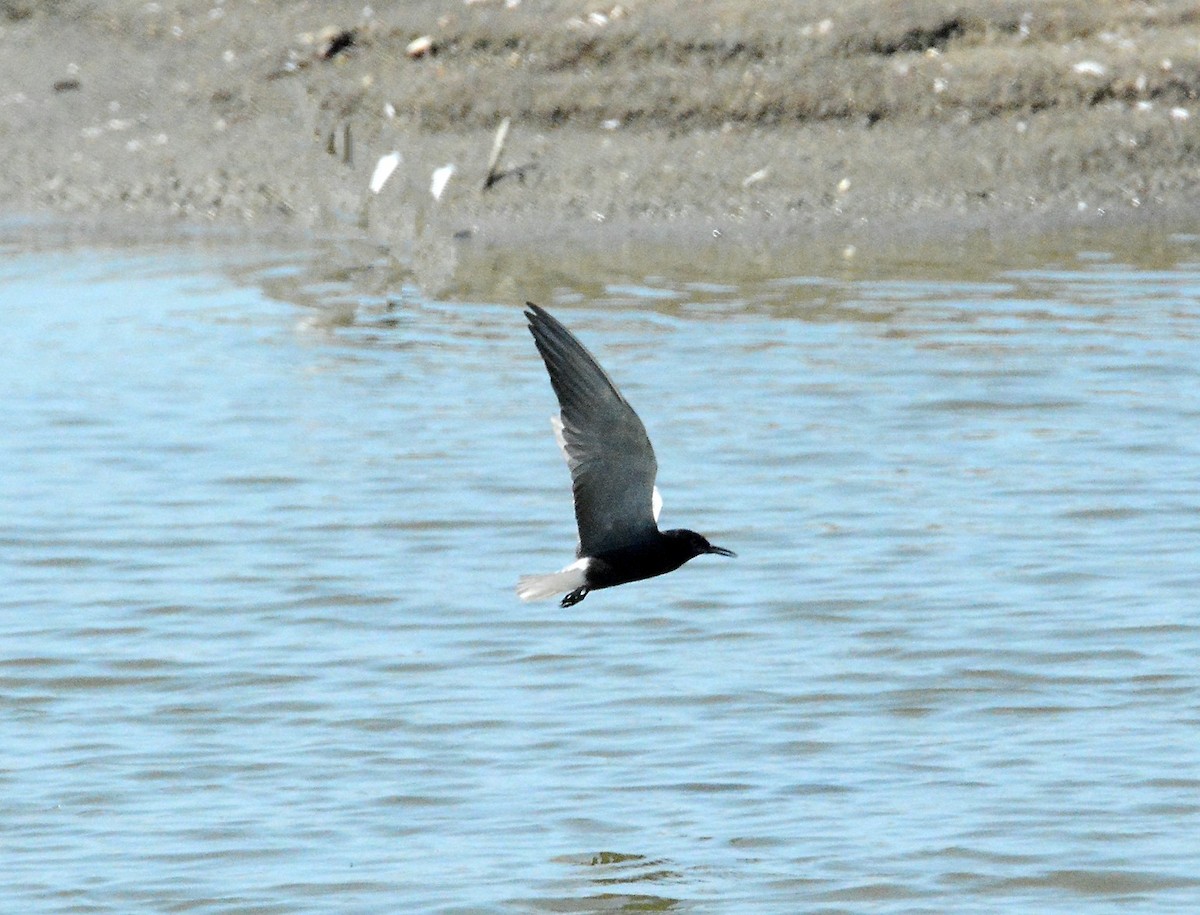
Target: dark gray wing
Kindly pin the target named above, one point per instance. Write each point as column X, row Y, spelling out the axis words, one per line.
column 612, row 462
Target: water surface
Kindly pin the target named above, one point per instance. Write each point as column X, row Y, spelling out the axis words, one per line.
column 261, row 651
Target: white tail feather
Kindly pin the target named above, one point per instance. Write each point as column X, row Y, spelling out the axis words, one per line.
column 541, row 587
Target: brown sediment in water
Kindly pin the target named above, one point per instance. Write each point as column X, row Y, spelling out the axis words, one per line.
column 756, row 124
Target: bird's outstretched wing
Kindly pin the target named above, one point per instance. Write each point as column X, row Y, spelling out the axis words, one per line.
column 656, row 500
column 612, row 462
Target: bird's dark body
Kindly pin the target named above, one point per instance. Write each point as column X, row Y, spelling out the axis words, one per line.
column 613, row 468
column 663, row 553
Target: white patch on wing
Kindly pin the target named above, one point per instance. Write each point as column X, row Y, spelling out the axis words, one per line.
column 656, row 503
column 541, row 587
column 557, row 426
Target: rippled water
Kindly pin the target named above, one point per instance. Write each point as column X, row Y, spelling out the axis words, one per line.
column 261, row 651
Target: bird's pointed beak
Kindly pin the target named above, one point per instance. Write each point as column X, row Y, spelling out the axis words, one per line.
column 720, row 551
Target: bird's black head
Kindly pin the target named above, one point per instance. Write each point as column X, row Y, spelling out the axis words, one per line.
column 693, row 544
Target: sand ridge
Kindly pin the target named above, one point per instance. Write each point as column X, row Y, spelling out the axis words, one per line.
column 713, row 119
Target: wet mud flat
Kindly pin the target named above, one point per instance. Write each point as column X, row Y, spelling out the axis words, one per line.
column 666, row 120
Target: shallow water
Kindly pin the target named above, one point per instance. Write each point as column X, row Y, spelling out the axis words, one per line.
column 261, row 651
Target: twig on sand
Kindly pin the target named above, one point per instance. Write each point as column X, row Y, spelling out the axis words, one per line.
column 495, row 174
column 497, row 150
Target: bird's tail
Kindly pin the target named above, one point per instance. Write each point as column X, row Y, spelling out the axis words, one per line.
column 541, row 587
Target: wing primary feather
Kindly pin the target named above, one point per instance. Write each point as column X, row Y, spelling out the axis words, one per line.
column 610, row 457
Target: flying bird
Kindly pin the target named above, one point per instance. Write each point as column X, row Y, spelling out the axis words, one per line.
column 612, row 471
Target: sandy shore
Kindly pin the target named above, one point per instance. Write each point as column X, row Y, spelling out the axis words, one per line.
column 664, row 120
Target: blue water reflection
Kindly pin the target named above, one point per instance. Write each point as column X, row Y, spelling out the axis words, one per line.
column 261, row 650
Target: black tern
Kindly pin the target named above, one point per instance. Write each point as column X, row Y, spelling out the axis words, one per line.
column 612, row 471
